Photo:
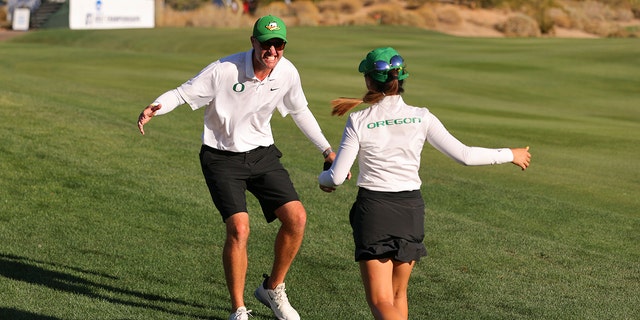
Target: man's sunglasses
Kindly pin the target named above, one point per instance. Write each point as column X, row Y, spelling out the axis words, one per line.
column 278, row 44
column 396, row 62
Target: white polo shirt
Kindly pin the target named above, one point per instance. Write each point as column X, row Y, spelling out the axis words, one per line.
column 388, row 137
column 239, row 107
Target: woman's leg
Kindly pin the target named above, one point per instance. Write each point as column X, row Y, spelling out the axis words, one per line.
column 401, row 274
column 377, row 278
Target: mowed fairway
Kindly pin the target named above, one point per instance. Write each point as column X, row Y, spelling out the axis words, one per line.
column 99, row 222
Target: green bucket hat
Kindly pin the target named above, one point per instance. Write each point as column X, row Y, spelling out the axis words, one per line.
column 379, row 61
column 269, row 27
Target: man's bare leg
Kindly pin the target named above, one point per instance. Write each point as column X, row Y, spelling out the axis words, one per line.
column 293, row 217
column 234, row 257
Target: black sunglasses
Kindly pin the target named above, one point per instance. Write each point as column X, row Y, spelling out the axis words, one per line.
column 278, row 44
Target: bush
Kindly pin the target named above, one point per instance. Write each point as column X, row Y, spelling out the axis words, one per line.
column 519, row 25
column 307, row 13
column 341, row 6
column 560, row 18
column 279, row 9
column 429, row 17
column 3, row 14
column 207, row 15
column 183, row 5
column 449, row 15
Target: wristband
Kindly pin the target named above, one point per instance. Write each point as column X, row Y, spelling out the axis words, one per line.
column 327, row 152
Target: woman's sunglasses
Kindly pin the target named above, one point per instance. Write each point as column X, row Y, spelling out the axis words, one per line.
column 396, row 62
column 278, row 44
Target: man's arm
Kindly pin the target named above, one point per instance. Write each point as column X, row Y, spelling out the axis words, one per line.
column 162, row 105
column 307, row 123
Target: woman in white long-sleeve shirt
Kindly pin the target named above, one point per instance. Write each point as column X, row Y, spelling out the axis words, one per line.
column 387, row 217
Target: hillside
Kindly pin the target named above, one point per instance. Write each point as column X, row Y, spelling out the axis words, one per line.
column 568, row 19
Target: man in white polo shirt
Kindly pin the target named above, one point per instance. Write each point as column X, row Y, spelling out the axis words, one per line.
column 240, row 93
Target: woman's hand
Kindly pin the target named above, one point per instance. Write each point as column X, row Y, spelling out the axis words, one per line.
column 521, row 157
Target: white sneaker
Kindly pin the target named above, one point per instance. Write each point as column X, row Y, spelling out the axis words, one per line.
column 241, row 314
column 277, row 300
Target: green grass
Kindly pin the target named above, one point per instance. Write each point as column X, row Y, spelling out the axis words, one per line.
column 99, row 222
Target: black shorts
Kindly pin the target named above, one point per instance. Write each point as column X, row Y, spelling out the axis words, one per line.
column 388, row 225
column 230, row 174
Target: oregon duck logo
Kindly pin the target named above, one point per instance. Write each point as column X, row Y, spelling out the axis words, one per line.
column 238, row 87
column 272, row 26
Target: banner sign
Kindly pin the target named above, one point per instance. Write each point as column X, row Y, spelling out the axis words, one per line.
column 21, row 19
column 111, row 14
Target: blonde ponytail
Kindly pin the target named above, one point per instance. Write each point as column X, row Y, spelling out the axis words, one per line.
column 342, row 105
column 376, row 92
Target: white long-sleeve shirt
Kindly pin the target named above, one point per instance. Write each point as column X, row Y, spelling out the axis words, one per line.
column 388, row 137
column 239, row 107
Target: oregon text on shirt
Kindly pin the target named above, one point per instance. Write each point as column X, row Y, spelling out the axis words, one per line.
column 392, row 122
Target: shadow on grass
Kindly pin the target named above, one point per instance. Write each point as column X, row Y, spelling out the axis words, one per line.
column 32, row 271
column 14, row 314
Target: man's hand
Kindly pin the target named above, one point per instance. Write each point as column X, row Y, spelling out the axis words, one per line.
column 146, row 115
column 326, row 166
column 327, row 189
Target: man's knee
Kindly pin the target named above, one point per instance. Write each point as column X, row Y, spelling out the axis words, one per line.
column 292, row 215
column 238, row 227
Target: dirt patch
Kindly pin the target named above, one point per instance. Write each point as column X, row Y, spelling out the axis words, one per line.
column 8, row 34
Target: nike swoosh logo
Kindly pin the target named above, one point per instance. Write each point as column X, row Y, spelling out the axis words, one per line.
column 274, row 89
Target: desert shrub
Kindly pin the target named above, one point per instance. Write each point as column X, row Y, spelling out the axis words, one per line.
column 560, row 17
column 429, row 17
column 449, row 15
column 468, row 3
column 353, row 6
column 594, row 17
column 632, row 31
column 331, row 12
column 539, row 10
column 181, row 5
column 393, row 12
column 385, row 14
column 359, row 20
column 324, row 6
column 307, row 13
column 544, row 20
column 279, row 9
column 519, row 25
column 207, row 15
column 3, row 13
column 210, row 15
column 595, row 10
column 411, row 18
column 330, row 18
column 342, row 6
column 623, row 14
column 619, row 9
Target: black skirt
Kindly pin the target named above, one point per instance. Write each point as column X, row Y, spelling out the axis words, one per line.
column 388, row 225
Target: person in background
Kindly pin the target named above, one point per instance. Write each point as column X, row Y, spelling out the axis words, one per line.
column 240, row 93
column 387, row 217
